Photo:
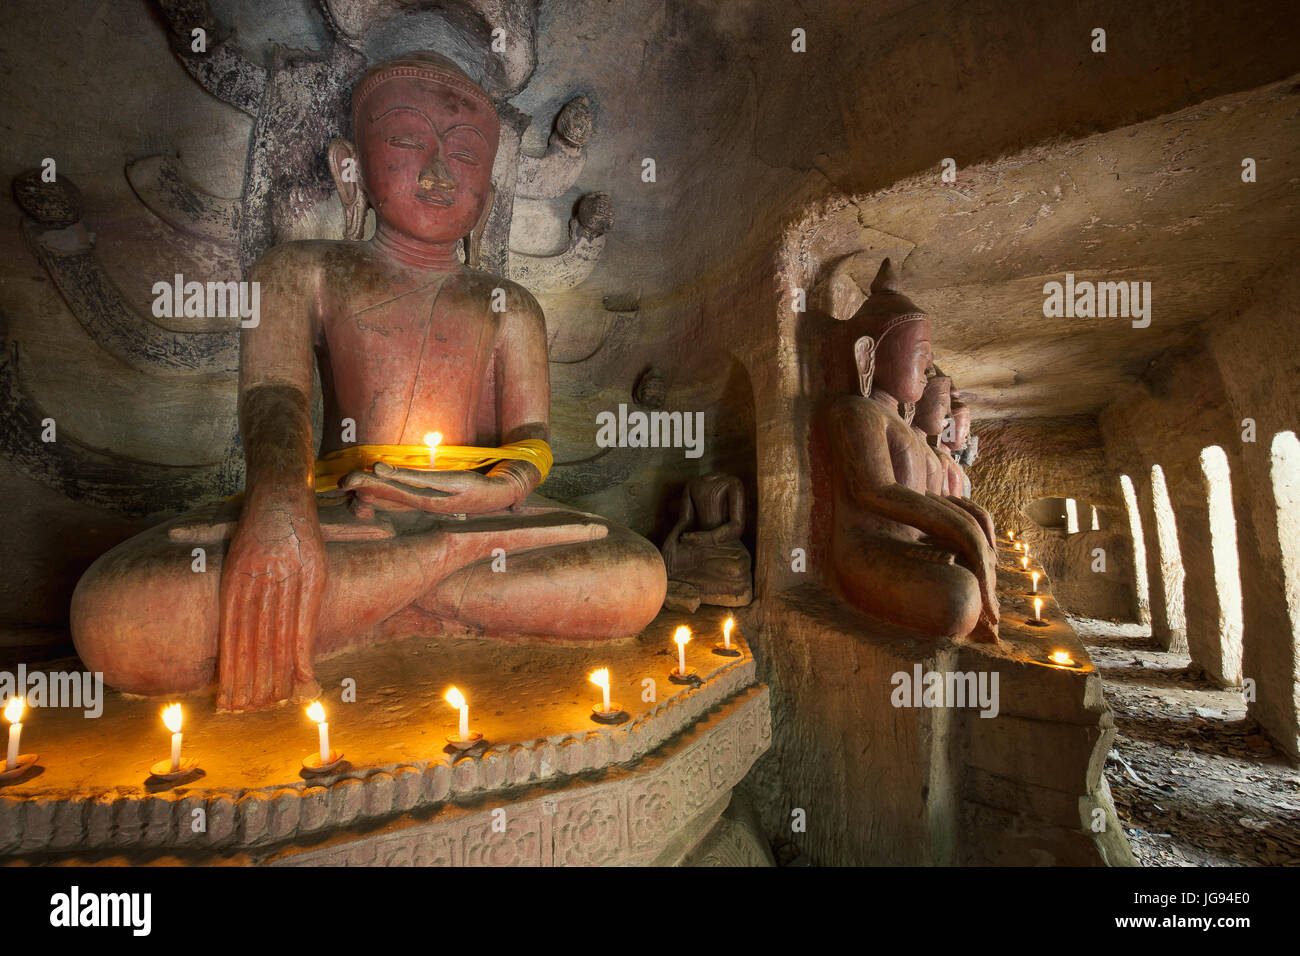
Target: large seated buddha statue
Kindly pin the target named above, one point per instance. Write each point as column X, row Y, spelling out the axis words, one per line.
column 315, row 555
column 933, row 420
column 898, row 551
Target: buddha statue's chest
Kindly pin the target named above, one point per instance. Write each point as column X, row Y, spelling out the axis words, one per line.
column 914, row 464
column 415, row 363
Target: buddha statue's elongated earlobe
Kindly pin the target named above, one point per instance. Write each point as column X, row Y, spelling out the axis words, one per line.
column 864, row 353
column 346, row 171
column 475, row 239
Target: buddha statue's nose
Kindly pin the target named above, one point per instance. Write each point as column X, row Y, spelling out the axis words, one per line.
column 437, row 176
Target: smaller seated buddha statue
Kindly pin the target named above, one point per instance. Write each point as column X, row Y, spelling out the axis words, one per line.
column 899, row 552
column 706, row 560
column 933, row 420
column 958, row 442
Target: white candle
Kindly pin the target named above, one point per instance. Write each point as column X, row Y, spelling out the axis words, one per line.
column 1038, row 608
column 1034, row 575
column 317, row 713
column 1024, row 564
column 601, row 679
column 727, row 625
column 457, row 699
column 682, row 635
column 14, row 714
column 433, row 440
column 171, row 716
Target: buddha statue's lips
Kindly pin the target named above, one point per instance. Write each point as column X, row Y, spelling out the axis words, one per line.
column 436, row 199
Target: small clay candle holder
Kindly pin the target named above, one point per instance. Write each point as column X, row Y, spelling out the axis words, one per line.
column 615, row 715
column 1073, row 665
column 689, row 678
column 24, row 763
column 1032, row 623
column 466, row 743
column 162, row 771
column 722, row 650
column 312, row 766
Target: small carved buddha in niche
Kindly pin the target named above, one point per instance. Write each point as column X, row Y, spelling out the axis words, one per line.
column 703, row 552
column 932, row 420
column 408, row 341
column 898, row 552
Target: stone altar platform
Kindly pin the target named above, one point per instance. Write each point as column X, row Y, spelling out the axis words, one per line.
column 551, row 786
column 889, row 783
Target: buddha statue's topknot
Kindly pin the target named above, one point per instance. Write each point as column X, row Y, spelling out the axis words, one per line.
column 886, row 308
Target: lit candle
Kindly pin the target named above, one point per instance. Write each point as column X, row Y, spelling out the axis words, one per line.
column 1034, row 575
column 1062, row 658
column 171, row 716
column 1038, row 609
column 14, row 714
column 317, row 713
column 1019, row 546
column 1024, row 564
column 433, row 440
column 457, row 699
column 1011, row 535
column 1026, row 551
column 601, row 679
column 727, row 625
column 682, row 636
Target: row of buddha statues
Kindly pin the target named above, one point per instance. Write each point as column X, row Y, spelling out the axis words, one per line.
column 319, row 552
column 907, row 545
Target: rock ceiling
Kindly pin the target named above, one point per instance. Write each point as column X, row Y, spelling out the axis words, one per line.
column 1160, row 202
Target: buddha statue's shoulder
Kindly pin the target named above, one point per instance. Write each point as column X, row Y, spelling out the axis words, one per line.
column 308, row 259
column 504, row 296
column 849, row 408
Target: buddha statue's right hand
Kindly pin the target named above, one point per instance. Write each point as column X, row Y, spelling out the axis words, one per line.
column 272, row 582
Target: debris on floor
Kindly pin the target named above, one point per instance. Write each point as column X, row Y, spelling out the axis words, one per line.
column 1195, row 783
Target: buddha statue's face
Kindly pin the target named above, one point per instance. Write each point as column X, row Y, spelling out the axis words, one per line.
column 425, row 152
column 902, row 359
column 961, row 428
column 934, row 406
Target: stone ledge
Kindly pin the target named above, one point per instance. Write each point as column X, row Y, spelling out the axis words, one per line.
column 633, row 816
column 241, row 819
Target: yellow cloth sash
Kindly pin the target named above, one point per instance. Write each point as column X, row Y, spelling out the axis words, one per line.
column 330, row 468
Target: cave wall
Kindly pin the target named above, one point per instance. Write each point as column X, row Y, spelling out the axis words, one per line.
column 1023, row 460
column 1245, row 365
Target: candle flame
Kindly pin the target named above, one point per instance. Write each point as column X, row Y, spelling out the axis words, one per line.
column 1011, row 535
column 682, row 635
column 316, row 712
column 600, row 678
column 1024, row 563
column 1035, row 575
column 727, row 625
column 1038, row 606
column 454, row 697
column 433, row 439
column 171, row 715
column 1061, row 657
column 14, row 709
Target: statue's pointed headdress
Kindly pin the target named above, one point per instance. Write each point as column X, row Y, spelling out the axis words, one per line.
column 885, row 310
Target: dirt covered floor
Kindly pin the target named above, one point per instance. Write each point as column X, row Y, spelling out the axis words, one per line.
column 1194, row 782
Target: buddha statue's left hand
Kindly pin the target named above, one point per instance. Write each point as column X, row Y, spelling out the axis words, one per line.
column 440, row 492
